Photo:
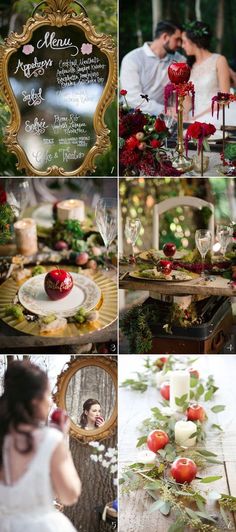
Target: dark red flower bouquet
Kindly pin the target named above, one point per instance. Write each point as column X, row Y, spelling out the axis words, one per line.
column 141, row 143
column 199, row 132
column 221, row 98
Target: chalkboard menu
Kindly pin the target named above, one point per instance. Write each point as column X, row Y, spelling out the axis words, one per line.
column 59, row 80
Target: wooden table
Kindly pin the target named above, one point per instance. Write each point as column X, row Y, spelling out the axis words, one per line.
column 135, row 407
column 216, row 286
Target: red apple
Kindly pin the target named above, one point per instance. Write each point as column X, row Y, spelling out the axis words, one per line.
column 60, row 245
column 179, row 73
column 165, row 390
column 59, row 416
column 166, row 266
column 183, row 470
column 194, row 373
column 169, row 249
column 195, row 412
column 160, row 362
column 58, row 284
column 157, row 439
column 99, row 420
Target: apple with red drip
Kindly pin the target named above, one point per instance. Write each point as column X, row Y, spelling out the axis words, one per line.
column 169, row 249
column 166, row 266
column 183, row 470
column 179, row 73
column 194, row 373
column 58, row 284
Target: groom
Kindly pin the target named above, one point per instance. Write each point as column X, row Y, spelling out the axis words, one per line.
column 144, row 70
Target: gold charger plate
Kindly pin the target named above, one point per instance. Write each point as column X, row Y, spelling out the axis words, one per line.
column 160, row 254
column 107, row 307
column 138, row 275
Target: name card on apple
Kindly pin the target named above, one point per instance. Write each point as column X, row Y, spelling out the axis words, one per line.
column 58, row 78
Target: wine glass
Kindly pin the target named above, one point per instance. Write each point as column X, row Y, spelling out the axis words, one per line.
column 18, row 194
column 224, row 234
column 203, row 239
column 106, row 220
column 132, row 231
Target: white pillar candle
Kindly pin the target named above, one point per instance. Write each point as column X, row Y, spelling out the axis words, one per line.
column 179, row 386
column 146, row 457
column 183, row 431
column 26, row 236
column 72, row 209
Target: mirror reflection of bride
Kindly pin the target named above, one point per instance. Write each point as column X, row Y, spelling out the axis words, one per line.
column 91, row 418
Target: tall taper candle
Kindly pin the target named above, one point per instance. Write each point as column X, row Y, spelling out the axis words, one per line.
column 179, row 386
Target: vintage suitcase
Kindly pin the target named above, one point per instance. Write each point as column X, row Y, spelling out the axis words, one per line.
column 208, row 337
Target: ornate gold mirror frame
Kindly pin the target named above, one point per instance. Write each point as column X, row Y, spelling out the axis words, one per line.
column 58, row 14
column 109, row 366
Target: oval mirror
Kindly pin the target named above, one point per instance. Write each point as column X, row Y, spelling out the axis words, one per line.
column 87, row 390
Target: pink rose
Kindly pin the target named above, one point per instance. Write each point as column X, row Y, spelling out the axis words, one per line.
column 28, row 49
column 86, row 48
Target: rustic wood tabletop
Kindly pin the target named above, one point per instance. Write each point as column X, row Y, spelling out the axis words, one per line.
column 134, row 407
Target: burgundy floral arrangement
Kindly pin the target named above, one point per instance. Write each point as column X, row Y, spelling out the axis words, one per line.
column 221, row 97
column 199, row 132
column 179, row 74
column 141, row 140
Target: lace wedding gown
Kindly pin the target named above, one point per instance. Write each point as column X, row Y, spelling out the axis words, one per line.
column 27, row 505
column 205, row 79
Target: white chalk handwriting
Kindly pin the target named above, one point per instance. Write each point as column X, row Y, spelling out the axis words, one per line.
column 50, row 41
column 33, row 98
column 37, row 68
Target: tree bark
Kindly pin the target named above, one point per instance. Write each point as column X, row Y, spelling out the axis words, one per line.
column 156, row 13
column 97, row 488
column 220, row 25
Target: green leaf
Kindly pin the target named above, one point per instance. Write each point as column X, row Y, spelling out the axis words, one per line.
column 205, row 516
column 165, row 509
column 191, row 513
column 178, row 526
column 200, row 391
column 224, row 516
column 157, row 505
column 154, row 485
column 193, row 435
column 213, row 461
column 207, row 480
column 204, row 452
column 141, row 441
column 157, row 413
column 208, row 395
column 193, row 382
column 218, row 427
column 218, row 408
column 179, row 401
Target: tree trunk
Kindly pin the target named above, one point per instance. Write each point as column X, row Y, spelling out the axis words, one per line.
column 156, row 13
column 97, row 488
column 220, row 25
column 198, row 9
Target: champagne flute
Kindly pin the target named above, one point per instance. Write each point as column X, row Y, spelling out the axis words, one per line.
column 203, row 239
column 18, row 194
column 106, row 220
column 224, row 234
column 132, row 231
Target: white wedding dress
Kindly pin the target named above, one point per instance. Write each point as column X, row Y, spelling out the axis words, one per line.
column 27, row 505
column 205, row 79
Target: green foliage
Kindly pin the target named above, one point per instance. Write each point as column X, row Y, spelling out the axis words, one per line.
column 7, row 160
column 6, row 219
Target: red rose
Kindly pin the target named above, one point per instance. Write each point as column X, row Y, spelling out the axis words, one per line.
column 160, row 125
column 155, row 143
column 123, row 92
column 3, row 196
column 194, row 130
column 131, row 143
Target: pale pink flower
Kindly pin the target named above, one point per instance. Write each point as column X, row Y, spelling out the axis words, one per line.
column 86, row 48
column 28, row 49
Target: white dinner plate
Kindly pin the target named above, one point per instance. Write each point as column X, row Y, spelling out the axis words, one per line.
column 85, row 293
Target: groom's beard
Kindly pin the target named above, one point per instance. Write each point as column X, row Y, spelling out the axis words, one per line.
column 168, row 49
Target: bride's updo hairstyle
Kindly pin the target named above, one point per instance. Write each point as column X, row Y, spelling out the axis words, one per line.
column 199, row 33
column 23, row 382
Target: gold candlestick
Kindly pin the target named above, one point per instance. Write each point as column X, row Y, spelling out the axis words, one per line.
column 181, row 162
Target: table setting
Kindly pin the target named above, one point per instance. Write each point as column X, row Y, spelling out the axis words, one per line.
column 187, row 292
column 58, row 268
column 176, row 461
column 164, row 145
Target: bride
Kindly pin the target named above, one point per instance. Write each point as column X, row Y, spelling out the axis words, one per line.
column 35, row 463
column 210, row 74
